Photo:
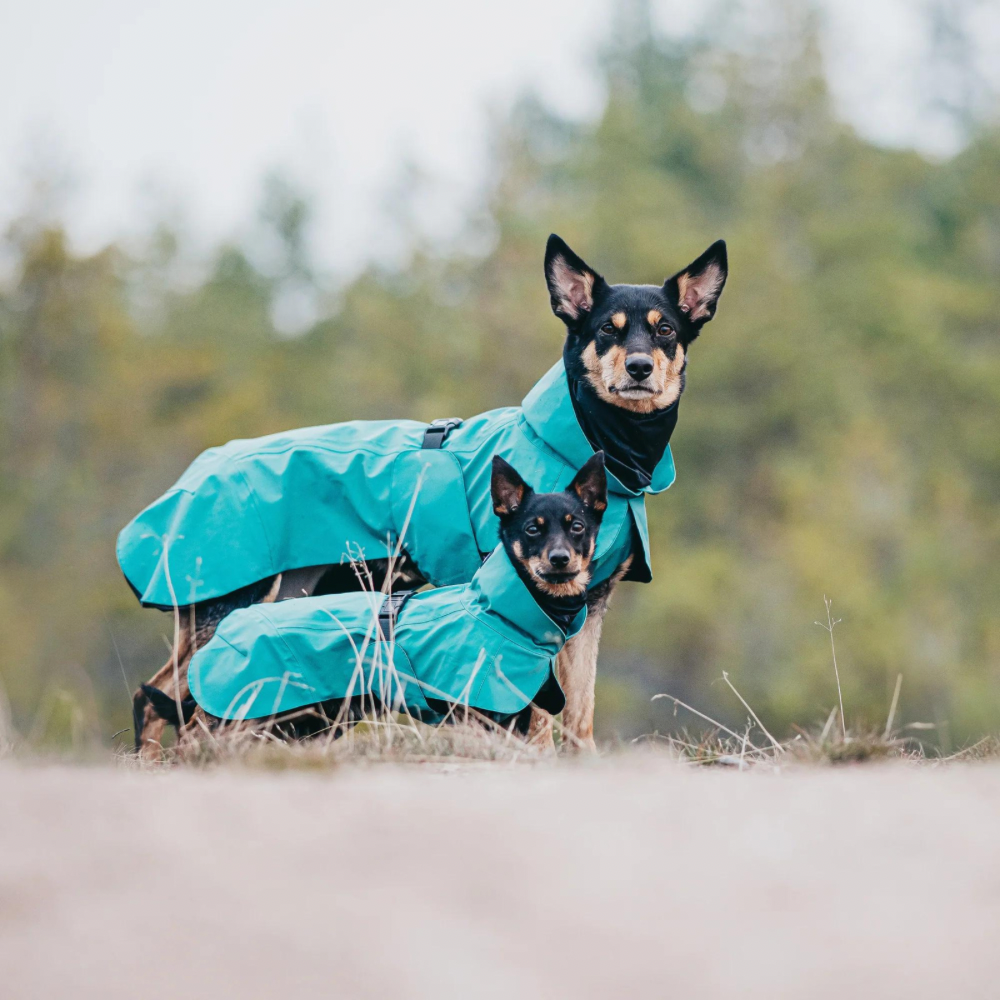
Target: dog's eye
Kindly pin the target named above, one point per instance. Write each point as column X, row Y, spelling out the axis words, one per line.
column 607, row 328
column 664, row 330
column 577, row 528
column 532, row 530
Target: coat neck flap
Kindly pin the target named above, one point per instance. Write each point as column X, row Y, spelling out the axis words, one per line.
column 549, row 412
column 498, row 589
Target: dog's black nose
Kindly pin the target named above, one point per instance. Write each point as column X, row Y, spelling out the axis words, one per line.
column 639, row 366
column 559, row 559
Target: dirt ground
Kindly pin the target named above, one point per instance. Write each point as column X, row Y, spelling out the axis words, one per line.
column 627, row 877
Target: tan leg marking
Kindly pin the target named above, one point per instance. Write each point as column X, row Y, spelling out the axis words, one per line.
column 576, row 667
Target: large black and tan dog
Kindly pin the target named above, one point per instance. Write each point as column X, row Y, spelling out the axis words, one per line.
column 625, row 355
column 627, row 345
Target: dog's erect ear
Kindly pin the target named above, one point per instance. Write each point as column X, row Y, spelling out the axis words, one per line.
column 590, row 484
column 507, row 488
column 573, row 285
column 697, row 288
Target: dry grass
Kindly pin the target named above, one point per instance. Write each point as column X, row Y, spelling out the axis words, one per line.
column 398, row 739
column 390, row 739
column 852, row 748
column 985, row 750
column 832, row 744
column 466, row 738
column 815, row 747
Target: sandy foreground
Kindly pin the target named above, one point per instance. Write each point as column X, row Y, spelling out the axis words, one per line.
column 619, row 878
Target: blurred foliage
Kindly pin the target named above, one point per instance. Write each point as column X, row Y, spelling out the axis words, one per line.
column 838, row 435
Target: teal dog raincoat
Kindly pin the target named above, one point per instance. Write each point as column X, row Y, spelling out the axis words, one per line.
column 254, row 508
column 486, row 644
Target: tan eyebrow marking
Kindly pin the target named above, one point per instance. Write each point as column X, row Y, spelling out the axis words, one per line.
column 539, row 520
column 619, row 319
column 654, row 316
column 568, row 518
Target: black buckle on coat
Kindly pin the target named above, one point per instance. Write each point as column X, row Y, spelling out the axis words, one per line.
column 439, row 429
column 389, row 612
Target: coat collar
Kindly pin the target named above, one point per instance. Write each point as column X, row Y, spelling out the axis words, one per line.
column 498, row 590
column 549, row 412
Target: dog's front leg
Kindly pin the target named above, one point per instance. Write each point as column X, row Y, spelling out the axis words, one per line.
column 576, row 669
column 576, row 666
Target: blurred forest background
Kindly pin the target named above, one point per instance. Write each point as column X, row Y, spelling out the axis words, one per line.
column 838, row 435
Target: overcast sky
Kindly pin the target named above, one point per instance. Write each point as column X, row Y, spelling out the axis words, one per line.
column 155, row 106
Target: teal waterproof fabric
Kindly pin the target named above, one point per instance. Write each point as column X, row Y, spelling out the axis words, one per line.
column 486, row 644
column 322, row 495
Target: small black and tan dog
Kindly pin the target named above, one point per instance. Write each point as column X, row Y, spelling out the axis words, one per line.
column 548, row 538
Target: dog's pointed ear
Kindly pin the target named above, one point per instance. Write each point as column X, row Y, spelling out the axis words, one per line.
column 698, row 286
column 590, row 484
column 573, row 286
column 507, row 488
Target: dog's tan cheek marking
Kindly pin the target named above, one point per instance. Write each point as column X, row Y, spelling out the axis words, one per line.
column 595, row 369
column 675, row 365
column 619, row 319
column 654, row 316
column 518, row 551
column 615, row 360
column 661, row 366
column 672, row 377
